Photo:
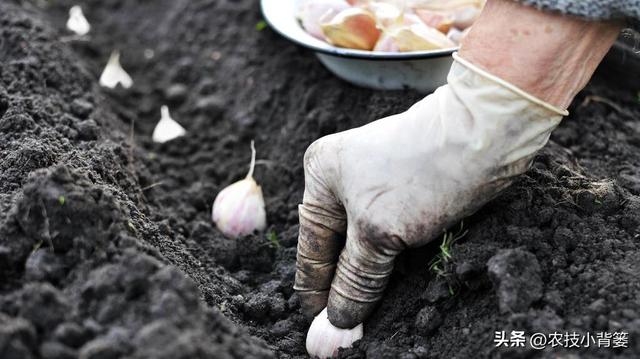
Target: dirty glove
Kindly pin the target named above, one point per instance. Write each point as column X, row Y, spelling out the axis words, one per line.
column 399, row 182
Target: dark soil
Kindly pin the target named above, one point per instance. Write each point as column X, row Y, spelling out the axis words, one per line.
column 107, row 249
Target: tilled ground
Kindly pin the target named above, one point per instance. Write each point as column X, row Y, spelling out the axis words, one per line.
column 106, row 245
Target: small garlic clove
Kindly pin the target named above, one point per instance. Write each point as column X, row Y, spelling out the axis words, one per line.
column 462, row 12
column 353, row 28
column 238, row 209
column 113, row 74
column 456, row 35
column 410, row 19
column 443, row 4
column 464, row 17
column 324, row 339
column 386, row 14
column 77, row 22
column 314, row 12
column 386, row 43
column 439, row 20
column 419, row 37
column 167, row 128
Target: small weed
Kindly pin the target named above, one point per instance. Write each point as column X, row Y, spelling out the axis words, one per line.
column 445, row 256
column 273, row 238
column 37, row 246
column 61, row 200
column 440, row 264
column 261, row 25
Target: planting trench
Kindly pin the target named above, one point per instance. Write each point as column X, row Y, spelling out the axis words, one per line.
column 107, row 249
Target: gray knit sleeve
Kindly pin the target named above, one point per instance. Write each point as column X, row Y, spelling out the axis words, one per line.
column 591, row 9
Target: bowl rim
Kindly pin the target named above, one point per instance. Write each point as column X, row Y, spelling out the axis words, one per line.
column 344, row 52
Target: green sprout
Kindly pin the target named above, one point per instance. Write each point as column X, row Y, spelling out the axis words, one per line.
column 439, row 264
column 445, row 255
column 273, row 238
column 37, row 246
column 61, row 200
column 261, row 25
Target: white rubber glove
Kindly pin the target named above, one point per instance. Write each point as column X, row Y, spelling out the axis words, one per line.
column 399, row 182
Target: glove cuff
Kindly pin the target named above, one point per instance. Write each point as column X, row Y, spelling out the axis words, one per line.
column 508, row 85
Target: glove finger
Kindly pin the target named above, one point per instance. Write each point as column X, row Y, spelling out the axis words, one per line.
column 319, row 243
column 362, row 275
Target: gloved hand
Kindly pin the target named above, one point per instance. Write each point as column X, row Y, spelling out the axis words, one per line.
column 399, row 182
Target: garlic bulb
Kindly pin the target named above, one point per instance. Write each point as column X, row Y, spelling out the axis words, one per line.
column 324, row 339
column 167, row 128
column 77, row 22
column 113, row 74
column 238, row 210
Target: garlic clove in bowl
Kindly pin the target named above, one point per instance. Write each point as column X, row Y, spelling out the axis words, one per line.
column 417, row 37
column 312, row 13
column 353, row 28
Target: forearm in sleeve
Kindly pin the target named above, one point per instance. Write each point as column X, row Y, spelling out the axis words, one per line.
column 592, row 9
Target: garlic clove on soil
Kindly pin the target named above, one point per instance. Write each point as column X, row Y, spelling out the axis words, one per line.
column 353, row 28
column 113, row 74
column 324, row 339
column 314, row 12
column 77, row 22
column 238, row 209
column 167, row 128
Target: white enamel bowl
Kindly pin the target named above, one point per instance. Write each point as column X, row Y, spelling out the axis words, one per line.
column 423, row 71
